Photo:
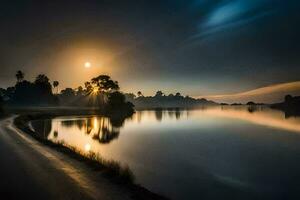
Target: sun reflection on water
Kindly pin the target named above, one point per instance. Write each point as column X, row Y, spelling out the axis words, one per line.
column 87, row 147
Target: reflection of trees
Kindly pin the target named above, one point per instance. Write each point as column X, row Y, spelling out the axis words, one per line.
column 177, row 113
column 289, row 113
column 104, row 129
column 252, row 109
column 42, row 127
column 158, row 114
column 70, row 123
column 55, row 134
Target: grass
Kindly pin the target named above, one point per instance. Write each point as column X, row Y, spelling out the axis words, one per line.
column 109, row 168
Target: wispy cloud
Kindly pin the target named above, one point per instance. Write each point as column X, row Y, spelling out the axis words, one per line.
column 268, row 94
column 231, row 14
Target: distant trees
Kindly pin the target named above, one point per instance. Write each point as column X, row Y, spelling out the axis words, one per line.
column 55, row 85
column 80, row 91
column 25, row 92
column 67, row 96
column 68, row 92
column 250, row 103
column 20, row 76
column 101, row 92
column 159, row 94
column 161, row 100
column 288, row 98
column 291, row 105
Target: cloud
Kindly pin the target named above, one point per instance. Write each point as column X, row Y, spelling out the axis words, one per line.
column 231, row 14
column 268, row 94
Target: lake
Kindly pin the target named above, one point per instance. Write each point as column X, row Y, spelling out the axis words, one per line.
column 213, row 153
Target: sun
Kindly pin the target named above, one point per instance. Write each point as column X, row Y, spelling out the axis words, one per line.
column 87, row 147
column 87, row 65
column 95, row 90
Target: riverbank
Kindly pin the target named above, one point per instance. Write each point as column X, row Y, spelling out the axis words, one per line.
column 111, row 170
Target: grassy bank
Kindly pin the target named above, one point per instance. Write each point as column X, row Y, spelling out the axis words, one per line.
column 110, row 169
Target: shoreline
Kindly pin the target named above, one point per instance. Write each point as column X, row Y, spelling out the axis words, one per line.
column 109, row 169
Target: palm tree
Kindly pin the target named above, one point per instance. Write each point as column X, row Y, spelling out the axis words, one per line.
column 20, row 75
column 55, row 85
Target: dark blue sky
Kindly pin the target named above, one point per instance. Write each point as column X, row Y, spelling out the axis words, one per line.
column 198, row 47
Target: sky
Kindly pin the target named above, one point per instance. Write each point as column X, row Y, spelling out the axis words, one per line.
column 196, row 47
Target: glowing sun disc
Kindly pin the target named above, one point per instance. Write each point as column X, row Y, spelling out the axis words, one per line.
column 87, row 147
column 87, row 64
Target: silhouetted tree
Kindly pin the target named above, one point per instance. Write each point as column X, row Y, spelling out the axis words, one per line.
column 139, row 94
column 117, row 102
column 159, row 94
column 67, row 96
column 288, row 98
column 43, row 85
column 41, row 78
column 43, row 90
column 250, row 103
column 105, row 83
column 116, row 99
column 55, row 85
column 25, row 93
column 177, row 94
column 20, row 76
column 88, row 87
column 68, row 92
column 80, row 91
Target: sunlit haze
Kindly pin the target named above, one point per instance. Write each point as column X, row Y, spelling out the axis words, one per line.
column 198, row 48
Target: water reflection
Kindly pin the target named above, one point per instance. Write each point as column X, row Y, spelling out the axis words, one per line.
column 211, row 153
column 102, row 129
column 260, row 115
column 158, row 115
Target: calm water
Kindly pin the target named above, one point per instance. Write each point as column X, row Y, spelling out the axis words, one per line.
column 216, row 153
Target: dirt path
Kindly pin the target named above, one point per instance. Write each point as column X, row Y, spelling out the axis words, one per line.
column 29, row 170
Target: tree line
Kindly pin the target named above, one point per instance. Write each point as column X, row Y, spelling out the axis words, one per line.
column 162, row 100
column 101, row 92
